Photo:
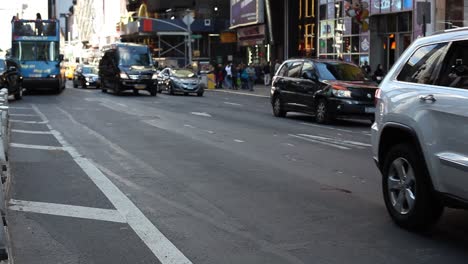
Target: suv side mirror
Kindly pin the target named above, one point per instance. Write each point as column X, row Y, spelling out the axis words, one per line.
column 12, row 68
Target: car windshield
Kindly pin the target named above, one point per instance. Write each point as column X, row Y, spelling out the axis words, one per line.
column 340, row 72
column 134, row 56
column 183, row 73
column 90, row 70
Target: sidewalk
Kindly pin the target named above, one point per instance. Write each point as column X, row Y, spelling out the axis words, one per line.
column 260, row 90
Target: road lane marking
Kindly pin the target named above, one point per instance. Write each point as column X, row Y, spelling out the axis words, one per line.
column 239, row 141
column 200, row 114
column 235, row 104
column 328, row 127
column 210, row 132
column 20, row 107
column 337, row 141
column 27, row 122
column 242, row 93
column 40, row 147
column 22, row 115
column 110, row 215
column 31, row 132
column 319, row 142
column 190, row 126
column 161, row 247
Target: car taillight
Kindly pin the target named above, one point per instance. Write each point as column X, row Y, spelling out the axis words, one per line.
column 377, row 96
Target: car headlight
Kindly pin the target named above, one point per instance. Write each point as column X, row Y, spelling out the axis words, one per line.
column 155, row 76
column 123, row 75
column 88, row 79
column 341, row 92
column 52, row 76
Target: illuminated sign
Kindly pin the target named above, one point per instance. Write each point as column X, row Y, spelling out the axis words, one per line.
column 246, row 12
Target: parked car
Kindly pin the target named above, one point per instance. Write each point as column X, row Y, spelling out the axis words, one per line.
column 127, row 66
column 11, row 78
column 85, row 76
column 179, row 81
column 327, row 89
column 419, row 138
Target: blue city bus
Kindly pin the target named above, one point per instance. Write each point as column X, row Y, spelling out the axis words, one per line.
column 36, row 46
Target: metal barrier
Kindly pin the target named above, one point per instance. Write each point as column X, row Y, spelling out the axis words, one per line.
column 4, row 143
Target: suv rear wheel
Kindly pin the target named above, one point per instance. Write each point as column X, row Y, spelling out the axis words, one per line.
column 407, row 189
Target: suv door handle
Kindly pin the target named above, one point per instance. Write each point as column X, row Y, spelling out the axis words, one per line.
column 428, row 97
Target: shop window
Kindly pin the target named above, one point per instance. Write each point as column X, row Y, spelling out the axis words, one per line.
column 331, row 10
column 355, row 44
column 404, row 22
column 323, row 12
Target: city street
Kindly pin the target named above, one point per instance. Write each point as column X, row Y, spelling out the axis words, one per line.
column 100, row 178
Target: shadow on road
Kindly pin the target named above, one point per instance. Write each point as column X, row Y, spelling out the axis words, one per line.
column 336, row 123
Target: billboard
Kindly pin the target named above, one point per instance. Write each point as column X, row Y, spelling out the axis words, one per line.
column 246, row 12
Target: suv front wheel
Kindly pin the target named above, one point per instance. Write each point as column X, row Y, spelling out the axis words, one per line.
column 407, row 189
column 278, row 109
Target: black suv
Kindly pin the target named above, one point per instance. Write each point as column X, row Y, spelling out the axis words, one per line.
column 325, row 88
column 11, row 78
column 127, row 66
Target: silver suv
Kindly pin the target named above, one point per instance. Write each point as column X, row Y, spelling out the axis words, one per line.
column 420, row 134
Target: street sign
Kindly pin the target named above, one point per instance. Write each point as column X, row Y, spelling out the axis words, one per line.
column 197, row 36
column 188, row 19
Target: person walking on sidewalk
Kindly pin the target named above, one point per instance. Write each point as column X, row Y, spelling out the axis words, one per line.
column 219, row 76
column 228, row 76
column 266, row 74
column 252, row 75
column 277, row 65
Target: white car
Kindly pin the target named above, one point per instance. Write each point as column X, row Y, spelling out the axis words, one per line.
column 420, row 134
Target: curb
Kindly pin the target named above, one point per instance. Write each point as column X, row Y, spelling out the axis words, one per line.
column 235, row 92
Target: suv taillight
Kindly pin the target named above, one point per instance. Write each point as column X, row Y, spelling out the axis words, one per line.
column 377, row 95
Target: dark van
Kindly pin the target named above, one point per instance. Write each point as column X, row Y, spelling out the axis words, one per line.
column 127, row 66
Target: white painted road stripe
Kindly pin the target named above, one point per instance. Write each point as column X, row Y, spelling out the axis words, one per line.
column 239, row 141
column 31, row 132
column 337, row 141
column 19, row 107
column 319, row 142
column 27, row 122
column 201, row 114
column 22, row 115
column 67, row 210
column 229, row 103
column 328, row 127
column 161, row 247
column 27, row 146
column 242, row 93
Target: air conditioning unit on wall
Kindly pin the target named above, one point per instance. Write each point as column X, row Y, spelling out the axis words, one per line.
column 207, row 22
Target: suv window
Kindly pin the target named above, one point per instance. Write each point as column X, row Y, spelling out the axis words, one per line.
column 454, row 71
column 424, row 65
column 294, row 70
column 284, row 69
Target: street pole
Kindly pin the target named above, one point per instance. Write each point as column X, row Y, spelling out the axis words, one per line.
column 189, row 30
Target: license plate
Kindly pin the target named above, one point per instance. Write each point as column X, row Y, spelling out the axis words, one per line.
column 140, row 86
column 369, row 109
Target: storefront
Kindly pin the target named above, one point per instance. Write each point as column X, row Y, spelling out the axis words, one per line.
column 347, row 28
column 247, row 18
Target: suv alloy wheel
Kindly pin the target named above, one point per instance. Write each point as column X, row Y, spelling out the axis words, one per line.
column 407, row 190
column 322, row 115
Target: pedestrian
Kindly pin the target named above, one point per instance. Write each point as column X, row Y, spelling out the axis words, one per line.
column 39, row 25
column 251, row 76
column 379, row 73
column 228, row 75
column 366, row 68
column 244, row 76
column 219, row 76
column 277, row 65
column 234, row 76
column 266, row 74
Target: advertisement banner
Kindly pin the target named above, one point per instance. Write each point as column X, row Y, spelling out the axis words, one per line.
column 246, row 12
column 253, row 35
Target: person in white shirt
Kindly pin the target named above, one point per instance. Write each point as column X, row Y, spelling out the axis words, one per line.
column 228, row 77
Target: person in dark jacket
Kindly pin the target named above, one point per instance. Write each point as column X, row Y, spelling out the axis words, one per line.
column 267, row 73
column 379, row 73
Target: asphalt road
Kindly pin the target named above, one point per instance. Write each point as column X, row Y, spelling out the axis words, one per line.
column 100, row 178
